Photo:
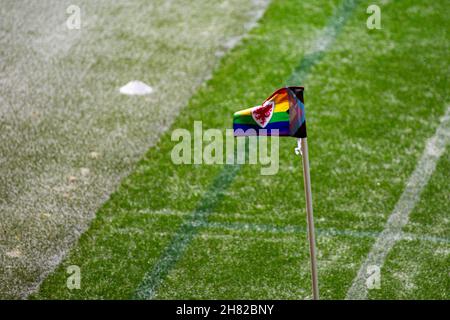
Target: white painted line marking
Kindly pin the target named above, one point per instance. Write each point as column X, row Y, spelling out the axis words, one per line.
column 392, row 232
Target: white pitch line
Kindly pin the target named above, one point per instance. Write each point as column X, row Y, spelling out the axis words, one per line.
column 392, row 232
column 283, row 230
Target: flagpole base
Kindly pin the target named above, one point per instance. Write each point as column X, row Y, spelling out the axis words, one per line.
column 302, row 146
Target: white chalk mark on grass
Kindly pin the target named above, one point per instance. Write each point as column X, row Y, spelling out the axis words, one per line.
column 392, row 232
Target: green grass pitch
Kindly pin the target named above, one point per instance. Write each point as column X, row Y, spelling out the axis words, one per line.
column 372, row 97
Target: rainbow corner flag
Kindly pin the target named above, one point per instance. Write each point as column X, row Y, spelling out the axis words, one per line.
column 283, row 111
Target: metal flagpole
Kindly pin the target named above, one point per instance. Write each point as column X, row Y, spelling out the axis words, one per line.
column 303, row 150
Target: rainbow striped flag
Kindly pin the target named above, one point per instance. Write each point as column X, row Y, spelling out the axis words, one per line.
column 283, row 110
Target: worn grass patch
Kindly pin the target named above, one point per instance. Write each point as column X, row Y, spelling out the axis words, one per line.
column 67, row 135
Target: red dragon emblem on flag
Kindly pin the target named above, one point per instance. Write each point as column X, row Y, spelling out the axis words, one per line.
column 263, row 114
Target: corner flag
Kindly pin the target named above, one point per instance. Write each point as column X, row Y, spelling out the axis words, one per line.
column 284, row 111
